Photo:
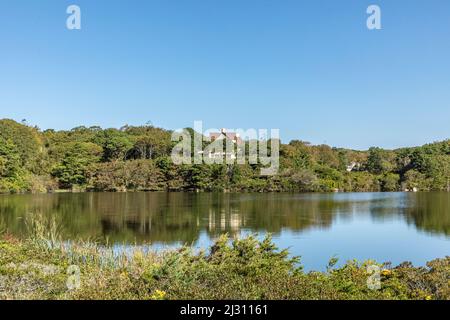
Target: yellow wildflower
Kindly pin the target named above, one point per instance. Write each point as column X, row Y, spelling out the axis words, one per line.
column 158, row 295
column 386, row 272
column 138, row 255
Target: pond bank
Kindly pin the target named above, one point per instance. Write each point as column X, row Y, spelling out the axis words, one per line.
column 242, row 269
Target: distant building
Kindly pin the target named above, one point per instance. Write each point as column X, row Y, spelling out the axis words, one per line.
column 354, row 166
column 223, row 134
column 230, row 136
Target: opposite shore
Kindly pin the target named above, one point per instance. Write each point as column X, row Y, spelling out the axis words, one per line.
column 139, row 159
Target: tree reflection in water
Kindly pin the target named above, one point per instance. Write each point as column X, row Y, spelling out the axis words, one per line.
column 170, row 218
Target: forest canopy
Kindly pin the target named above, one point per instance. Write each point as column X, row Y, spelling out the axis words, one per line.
column 138, row 158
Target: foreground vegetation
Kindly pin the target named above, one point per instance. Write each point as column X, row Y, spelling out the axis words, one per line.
column 41, row 267
column 138, row 158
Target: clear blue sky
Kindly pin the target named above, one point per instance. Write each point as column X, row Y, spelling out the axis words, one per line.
column 310, row 68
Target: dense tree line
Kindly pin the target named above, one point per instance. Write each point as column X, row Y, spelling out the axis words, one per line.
column 138, row 158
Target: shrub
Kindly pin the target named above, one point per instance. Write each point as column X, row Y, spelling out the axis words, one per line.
column 231, row 269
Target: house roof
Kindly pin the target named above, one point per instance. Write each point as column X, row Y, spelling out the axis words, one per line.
column 229, row 135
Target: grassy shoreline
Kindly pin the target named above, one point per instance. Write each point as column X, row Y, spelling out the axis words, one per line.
column 242, row 269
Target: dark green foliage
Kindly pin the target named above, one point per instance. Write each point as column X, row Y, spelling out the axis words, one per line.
column 134, row 175
column 12, row 175
column 10, row 162
column 116, row 144
column 390, row 182
column 27, row 142
column 73, row 169
column 379, row 161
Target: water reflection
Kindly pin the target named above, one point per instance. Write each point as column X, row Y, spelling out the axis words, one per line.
column 170, row 218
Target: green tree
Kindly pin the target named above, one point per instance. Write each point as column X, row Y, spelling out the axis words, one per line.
column 378, row 161
column 149, row 142
column 27, row 141
column 12, row 175
column 390, row 182
column 415, row 179
column 116, row 144
column 74, row 165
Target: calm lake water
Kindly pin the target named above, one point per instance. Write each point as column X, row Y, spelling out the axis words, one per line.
column 392, row 227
